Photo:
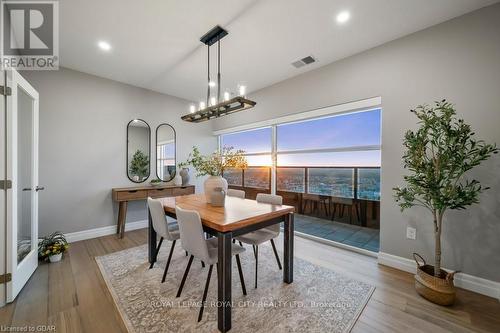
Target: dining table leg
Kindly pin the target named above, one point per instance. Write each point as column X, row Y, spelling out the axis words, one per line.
column 288, row 249
column 151, row 240
column 224, row 281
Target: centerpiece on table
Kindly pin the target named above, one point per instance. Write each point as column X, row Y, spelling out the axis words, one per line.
column 213, row 165
column 52, row 247
column 438, row 155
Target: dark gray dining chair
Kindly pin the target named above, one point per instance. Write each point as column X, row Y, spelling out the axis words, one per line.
column 166, row 230
column 255, row 238
column 194, row 242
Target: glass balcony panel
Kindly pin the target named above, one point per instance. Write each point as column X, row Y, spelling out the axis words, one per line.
column 369, row 184
column 258, row 177
column 290, row 179
column 336, row 182
column 234, row 177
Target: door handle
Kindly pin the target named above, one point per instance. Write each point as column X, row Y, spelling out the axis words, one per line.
column 27, row 189
column 39, row 188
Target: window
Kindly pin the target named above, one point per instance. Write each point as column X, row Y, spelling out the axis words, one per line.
column 257, row 145
column 165, row 162
column 335, row 155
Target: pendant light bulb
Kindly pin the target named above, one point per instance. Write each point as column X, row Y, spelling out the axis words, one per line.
column 192, row 108
column 242, row 90
column 202, row 105
column 227, row 96
column 213, row 101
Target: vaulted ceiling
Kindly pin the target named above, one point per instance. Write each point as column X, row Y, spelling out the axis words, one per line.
column 155, row 43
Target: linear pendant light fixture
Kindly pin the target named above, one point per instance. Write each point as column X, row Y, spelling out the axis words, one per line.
column 214, row 106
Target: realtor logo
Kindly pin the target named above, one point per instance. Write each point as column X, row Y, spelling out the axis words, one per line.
column 29, row 35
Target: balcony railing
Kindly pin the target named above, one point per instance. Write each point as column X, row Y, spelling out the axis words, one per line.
column 361, row 183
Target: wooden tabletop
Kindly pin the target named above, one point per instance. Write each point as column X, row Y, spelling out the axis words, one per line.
column 237, row 213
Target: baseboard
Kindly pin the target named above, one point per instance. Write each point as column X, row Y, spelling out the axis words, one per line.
column 103, row 231
column 337, row 244
column 462, row 280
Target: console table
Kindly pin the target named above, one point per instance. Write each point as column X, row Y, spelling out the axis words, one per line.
column 125, row 194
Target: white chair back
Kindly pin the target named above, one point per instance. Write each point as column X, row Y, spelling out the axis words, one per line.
column 273, row 200
column 236, row 193
column 269, row 198
column 192, row 236
column 158, row 217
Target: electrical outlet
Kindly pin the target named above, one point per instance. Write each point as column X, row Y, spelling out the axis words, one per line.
column 411, row 233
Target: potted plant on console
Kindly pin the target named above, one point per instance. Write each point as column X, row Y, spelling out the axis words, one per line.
column 52, row 247
column 438, row 155
column 213, row 165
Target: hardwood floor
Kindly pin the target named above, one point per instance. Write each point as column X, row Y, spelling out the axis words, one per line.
column 72, row 295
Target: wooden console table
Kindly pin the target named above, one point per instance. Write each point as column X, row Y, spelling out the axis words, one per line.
column 125, row 194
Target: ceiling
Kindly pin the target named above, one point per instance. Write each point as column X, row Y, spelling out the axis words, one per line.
column 155, row 43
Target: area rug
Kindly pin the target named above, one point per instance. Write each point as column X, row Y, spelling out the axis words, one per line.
column 319, row 299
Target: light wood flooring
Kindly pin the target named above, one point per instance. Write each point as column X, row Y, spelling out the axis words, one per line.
column 72, row 294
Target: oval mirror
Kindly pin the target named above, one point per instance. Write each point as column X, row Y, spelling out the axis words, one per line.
column 165, row 152
column 138, row 150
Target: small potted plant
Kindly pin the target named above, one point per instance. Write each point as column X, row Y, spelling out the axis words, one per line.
column 214, row 165
column 52, row 247
column 139, row 166
column 438, row 156
column 156, row 182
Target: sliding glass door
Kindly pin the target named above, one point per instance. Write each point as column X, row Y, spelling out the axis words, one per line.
column 327, row 167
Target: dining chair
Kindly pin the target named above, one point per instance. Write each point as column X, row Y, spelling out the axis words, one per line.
column 194, row 242
column 166, row 230
column 255, row 238
column 236, row 193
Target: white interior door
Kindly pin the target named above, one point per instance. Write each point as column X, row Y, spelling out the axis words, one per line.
column 22, row 169
column 3, row 192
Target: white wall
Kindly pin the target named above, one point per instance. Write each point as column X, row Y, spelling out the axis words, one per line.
column 458, row 60
column 83, row 134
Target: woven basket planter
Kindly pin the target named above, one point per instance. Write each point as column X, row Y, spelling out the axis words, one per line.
column 439, row 290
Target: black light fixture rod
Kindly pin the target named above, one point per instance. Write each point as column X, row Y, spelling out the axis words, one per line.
column 208, row 75
column 218, row 71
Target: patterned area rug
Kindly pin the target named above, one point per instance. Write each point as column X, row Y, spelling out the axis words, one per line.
column 319, row 300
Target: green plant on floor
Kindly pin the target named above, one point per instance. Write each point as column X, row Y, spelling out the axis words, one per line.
column 52, row 244
column 139, row 166
column 438, row 155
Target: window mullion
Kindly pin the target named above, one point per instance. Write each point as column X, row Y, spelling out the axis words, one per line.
column 274, row 160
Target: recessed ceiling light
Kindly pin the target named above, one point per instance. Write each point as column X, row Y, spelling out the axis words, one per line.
column 105, row 46
column 212, row 84
column 343, row 17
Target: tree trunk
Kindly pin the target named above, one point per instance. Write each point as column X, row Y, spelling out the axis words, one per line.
column 437, row 234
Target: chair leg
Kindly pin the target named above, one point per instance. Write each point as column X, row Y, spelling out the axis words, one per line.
column 202, row 264
column 157, row 250
column 240, row 271
column 185, row 276
column 168, row 261
column 256, row 263
column 254, row 254
column 241, row 244
column 276, row 254
column 200, row 314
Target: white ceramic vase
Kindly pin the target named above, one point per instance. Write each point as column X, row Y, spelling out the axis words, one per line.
column 211, row 183
column 55, row 257
column 178, row 180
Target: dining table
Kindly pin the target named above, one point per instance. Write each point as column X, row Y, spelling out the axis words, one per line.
column 237, row 217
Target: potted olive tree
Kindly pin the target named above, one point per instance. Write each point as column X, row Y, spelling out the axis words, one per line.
column 438, row 155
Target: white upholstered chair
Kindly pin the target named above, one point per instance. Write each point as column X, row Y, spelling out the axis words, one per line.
column 255, row 238
column 168, row 230
column 236, row 193
column 194, row 242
